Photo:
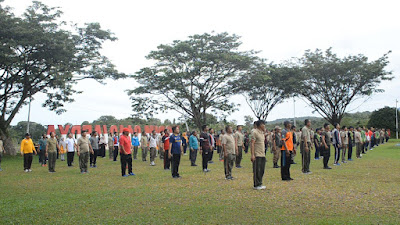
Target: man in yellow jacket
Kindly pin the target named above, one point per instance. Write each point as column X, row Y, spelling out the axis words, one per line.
column 27, row 149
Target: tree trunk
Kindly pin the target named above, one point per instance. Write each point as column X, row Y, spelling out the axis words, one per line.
column 7, row 141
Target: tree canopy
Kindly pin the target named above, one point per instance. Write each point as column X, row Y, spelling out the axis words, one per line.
column 330, row 83
column 384, row 118
column 191, row 77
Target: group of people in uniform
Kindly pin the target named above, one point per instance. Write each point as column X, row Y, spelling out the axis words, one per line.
column 229, row 143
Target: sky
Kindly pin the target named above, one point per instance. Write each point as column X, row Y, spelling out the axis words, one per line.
column 279, row 29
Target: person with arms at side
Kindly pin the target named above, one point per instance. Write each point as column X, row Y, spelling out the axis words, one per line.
column 2, row 151
column 287, row 149
column 246, row 142
column 51, row 152
column 135, row 144
column 153, row 147
column 239, row 139
column 27, row 150
column 230, row 148
column 345, row 142
column 160, row 145
column 220, row 139
column 194, row 147
column 125, row 147
column 326, row 145
column 144, row 141
column 84, row 147
column 165, row 140
column 305, row 146
column 212, row 145
column 71, row 146
column 110, row 146
column 258, row 154
column 297, row 141
column 317, row 143
column 205, row 147
column 116, row 145
column 337, row 143
column 42, row 150
column 94, row 142
column 277, row 146
column 62, row 148
column 185, row 142
column 102, row 145
column 352, row 144
column 358, row 142
column 175, row 151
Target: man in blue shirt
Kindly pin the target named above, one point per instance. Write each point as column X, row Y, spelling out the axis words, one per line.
column 175, row 151
column 135, row 144
column 194, row 146
column 42, row 150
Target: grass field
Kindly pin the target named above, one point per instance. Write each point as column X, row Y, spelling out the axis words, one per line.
column 365, row 191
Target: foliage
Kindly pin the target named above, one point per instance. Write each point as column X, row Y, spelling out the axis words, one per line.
column 384, row 118
column 18, row 131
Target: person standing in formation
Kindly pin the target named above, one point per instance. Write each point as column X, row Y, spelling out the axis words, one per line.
column 102, row 144
column 363, row 140
column 110, row 147
column 305, row 146
column 258, row 154
column 358, row 142
column 84, row 147
column 175, row 151
column 51, row 152
column 165, row 140
column 212, row 146
column 185, row 142
column 220, row 139
column 116, row 145
column 205, row 148
column 160, row 145
column 42, row 150
column 71, row 146
column 193, row 146
column 231, row 150
column 276, row 146
column 317, row 143
column 27, row 150
column 350, row 134
column 337, row 143
column 153, row 147
column 287, row 149
column 144, row 141
column 63, row 148
column 297, row 141
column 125, row 147
column 382, row 136
column 135, row 144
column 246, row 142
column 239, row 139
column 326, row 145
column 2, row 150
column 345, row 142
column 94, row 142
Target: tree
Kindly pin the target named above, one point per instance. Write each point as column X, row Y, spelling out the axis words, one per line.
column 248, row 122
column 38, row 56
column 263, row 87
column 330, row 83
column 384, row 118
column 36, row 130
column 191, row 77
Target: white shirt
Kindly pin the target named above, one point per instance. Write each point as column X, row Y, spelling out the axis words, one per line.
column 70, row 144
column 153, row 142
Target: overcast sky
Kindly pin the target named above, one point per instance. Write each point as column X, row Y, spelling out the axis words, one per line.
column 279, row 29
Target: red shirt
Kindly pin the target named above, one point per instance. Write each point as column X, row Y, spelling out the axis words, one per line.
column 166, row 142
column 125, row 141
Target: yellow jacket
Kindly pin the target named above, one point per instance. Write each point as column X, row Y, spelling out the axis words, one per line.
column 27, row 146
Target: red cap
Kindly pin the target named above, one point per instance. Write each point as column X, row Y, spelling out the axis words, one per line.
column 125, row 130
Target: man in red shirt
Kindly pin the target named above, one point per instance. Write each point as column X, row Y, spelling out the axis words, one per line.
column 165, row 140
column 125, row 146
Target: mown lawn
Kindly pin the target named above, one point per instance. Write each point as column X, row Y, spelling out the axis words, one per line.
column 366, row 191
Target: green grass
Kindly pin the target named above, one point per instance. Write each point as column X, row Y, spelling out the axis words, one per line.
column 366, row 191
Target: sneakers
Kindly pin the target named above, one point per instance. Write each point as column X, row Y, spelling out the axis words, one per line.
column 239, row 167
column 350, row 160
column 327, row 168
column 206, row 170
column 193, row 165
column 229, row 178
column 336, row 164
column 344, row 162
column 131, row 174
column 125, row 175
column 260, row 188
column 177, row 177
column 29, row 170
column 94, row 166
column 210, row 162
column 152, row 164
column 316, row 158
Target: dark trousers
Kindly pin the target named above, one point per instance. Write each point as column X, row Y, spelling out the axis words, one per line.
column 365, row 147
column 326, row 153
column 115, row 153
column 210, row 155
column 286, row 161
column 93, row 157
column 126, row 159
column 28, row 161
column 205, row 155
column 102, row 151
column 70, row 158
column 317, row 152
column 193, row 156
column 42, row 157
column 305, row 157
column 176, row 159
column 167, row 160
column 135, row 151
column 52, row 161
column 246, row 148
column 184, row 149
column 239, row 156
column 350, row 151
column 337, row 153
column 258, row 170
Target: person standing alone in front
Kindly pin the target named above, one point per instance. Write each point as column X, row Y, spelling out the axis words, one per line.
column 306, row 146
column 125, row 147
column 175, row 151
column 258, row 154
column 51, row 152
column 27, row 150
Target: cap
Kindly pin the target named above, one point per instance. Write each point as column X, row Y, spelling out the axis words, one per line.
column 125, row 130
column 278, row 128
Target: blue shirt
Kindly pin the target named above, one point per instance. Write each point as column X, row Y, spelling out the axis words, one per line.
column 135, row 141
column 42, row 144
column 193, row 142
column 176, row 142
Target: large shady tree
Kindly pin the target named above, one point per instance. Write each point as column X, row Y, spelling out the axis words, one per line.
column 191, row 77
column 41, row 54
column 330, row 83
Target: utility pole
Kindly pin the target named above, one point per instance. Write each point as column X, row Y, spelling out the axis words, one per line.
column 29, row 114
column 294, row 111
column 397, row 122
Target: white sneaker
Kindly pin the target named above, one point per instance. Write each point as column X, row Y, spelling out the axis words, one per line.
column 152, row 164
column 258, row 188
column 263, row 187
column 30, row 170
column 205, row 170
column 26, row 171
